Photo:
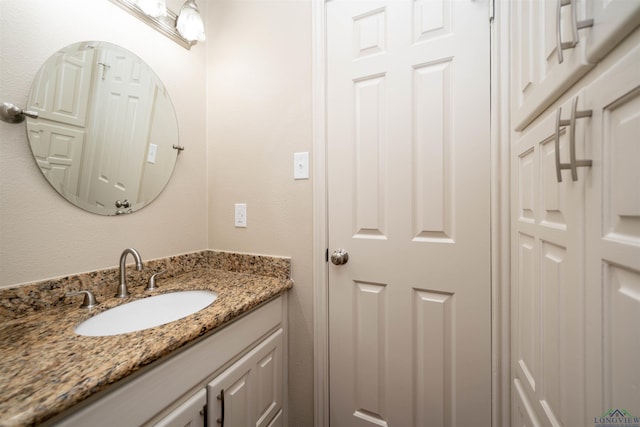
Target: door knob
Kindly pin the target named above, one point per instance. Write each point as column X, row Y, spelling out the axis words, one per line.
column 339, row 257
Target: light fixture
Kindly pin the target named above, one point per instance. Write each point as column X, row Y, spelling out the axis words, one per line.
column 189, row 23
column 155, row 8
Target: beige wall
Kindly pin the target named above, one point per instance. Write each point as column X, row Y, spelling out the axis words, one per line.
column 41, row 234
column 259, row 114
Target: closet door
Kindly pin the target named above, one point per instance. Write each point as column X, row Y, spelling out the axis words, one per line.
column 613, row 239
column 548, row 331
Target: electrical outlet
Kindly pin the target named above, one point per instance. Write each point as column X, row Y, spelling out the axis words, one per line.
column 240, row 215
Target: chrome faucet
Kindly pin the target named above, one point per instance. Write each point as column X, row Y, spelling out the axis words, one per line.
column 123, row 292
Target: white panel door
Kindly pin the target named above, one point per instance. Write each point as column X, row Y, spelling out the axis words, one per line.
column 613, row 239
column 408, row 198
column 124, row 91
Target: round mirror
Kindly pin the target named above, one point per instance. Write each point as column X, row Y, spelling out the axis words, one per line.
column 106, row 137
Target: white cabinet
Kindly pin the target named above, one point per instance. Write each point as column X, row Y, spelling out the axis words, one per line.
column 547, row 287
column 250, row 392
column 575, row 247
column 541, row 69
column 191, row 413
column 612, row 282
column 612, row 21
column 538, row 75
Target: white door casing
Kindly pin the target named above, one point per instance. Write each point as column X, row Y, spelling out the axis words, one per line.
column 408, row 154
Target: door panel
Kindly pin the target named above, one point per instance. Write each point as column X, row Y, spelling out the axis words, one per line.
column 613, row 233
column 250, row 392
column 62, row 88
column 547, row 293
column 58, row 148
column 408, row 197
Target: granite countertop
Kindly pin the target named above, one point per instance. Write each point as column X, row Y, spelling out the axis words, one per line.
column 46, row 368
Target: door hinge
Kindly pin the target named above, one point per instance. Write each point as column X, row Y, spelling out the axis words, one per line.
column 326, row 255
column 492, row 10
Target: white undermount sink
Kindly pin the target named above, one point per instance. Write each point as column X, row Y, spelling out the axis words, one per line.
column 146, row 313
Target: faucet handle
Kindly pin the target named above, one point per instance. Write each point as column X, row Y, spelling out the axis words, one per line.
column 89, row 299
column 152, row 281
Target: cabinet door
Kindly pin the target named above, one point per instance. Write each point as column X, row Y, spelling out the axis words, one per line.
column 538, row 77
column 613, row 239
column 231, row 396
column 269, row 380
column 250, row 392
column 612, row 21
column 189, row 414
column 548, row 332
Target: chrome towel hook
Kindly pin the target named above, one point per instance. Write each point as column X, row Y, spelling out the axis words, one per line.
column 12, row 114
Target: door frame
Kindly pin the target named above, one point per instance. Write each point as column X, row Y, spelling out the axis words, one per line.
column 500, row 215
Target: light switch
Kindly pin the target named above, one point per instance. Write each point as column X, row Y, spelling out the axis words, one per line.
column 240, row 215
column 301, row 165
column 151, row 156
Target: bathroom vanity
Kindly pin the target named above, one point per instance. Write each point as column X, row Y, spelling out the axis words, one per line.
column 225, row 362
column 240, row 367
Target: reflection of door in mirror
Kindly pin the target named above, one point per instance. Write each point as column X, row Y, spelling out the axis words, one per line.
column 60, row 95
column 120, row 125
column 106, row 129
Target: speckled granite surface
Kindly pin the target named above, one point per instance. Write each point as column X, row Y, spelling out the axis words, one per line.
column 46, row 368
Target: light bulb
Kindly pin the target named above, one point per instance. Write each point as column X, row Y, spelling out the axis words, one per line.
column 189, row 23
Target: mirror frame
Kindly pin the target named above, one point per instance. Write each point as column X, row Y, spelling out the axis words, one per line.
column 165, row 25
